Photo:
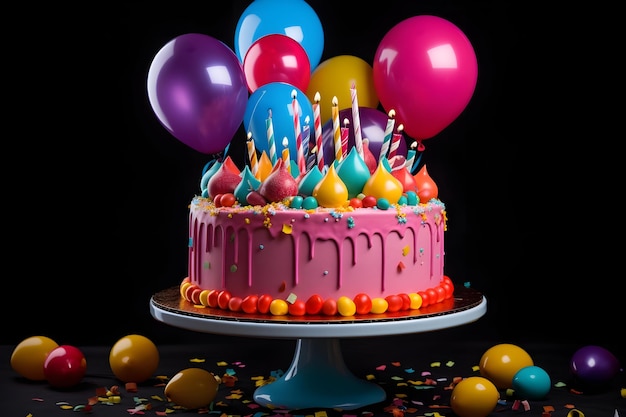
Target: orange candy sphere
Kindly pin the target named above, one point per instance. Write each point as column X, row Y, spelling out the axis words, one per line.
column 134, row 358
column 501, row 362
column 30, row 355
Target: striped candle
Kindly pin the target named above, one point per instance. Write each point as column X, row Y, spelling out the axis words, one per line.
column 356, row 121
column 395, row 142
column 270, row 137
column 308, row 145
column 317, row 125
column 336, row 133
column 298, row 132
column 344, row 138
column 410, row 156
column 254, row 167
column 391, row 121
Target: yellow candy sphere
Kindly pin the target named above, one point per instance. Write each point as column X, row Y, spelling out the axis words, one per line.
column 474, row 397
column 416, row 300
column 501, row 362
column 379, row 305
column 279, row 307
column 346, row 306
column 192, row 388
column 134, row 358
column 30, row 355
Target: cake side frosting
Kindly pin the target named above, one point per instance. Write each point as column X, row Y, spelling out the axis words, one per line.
column 277, row 251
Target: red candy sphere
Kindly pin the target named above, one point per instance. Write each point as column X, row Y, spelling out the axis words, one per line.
column 65, row 366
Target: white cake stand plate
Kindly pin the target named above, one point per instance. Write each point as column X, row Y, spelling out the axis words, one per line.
column 318, row 376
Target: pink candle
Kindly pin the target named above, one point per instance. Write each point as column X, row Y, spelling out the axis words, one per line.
column 395, row 142
column 317, row 124
column 356, row 120
column 336, row 133
column 344, row 138
column 298, row 132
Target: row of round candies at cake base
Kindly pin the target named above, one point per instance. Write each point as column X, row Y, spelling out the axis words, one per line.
column 314, row 305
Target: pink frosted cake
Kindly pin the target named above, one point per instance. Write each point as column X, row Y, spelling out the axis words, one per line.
column 358, row 239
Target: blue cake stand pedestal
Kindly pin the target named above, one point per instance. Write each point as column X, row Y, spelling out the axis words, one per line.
column 318, row 376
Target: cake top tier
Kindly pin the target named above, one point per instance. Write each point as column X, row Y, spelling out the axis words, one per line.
column 348, row 182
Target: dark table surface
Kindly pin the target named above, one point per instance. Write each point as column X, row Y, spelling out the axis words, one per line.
column 394, row 362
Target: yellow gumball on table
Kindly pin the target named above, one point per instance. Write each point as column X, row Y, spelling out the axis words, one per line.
column 29, row 356
column 501, row 362
column 192, row 388
column 134, row 358
column 474, row 397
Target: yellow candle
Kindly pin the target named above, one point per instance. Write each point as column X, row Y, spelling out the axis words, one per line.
column 286, row 158
column 336, row 129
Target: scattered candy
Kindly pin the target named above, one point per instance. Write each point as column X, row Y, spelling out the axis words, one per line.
column 475, row 396
column 501, row 362
column 65, row 366
column 29, row 356
column 594, row 367
column 531, row 382
column 192, row 388
column 134, row 358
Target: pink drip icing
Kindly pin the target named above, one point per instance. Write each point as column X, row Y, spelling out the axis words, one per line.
column 206, row 237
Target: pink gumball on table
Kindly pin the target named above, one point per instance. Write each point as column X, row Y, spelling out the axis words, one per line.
column 65, row 366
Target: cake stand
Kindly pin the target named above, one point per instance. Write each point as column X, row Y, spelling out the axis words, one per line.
column 318, row 376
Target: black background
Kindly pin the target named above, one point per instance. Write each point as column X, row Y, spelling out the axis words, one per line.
column 96, row 190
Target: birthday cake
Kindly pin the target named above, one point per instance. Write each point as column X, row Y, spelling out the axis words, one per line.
column 319, row 226
column 357, row 239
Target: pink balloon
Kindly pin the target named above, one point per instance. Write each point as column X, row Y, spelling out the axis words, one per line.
column 276, row 58
column 425, row 69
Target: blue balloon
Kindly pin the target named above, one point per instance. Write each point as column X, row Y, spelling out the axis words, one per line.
column 294, row 18
column 277, row 98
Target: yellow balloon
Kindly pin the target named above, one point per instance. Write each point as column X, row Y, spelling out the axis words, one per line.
column 29, row 356
column 335, row 77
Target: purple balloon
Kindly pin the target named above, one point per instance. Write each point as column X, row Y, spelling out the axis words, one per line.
column 373, row 124
column 198, row 91
column 594, row 365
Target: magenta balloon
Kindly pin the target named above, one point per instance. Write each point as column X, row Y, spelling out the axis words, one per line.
column 276, row 58
column 198, row 91
column 425, row 69
column 373, row 124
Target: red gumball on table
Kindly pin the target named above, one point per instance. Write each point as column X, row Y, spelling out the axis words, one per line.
column 65, row 366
